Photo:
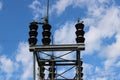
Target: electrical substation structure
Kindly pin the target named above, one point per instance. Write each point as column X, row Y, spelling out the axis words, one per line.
column 52, row 60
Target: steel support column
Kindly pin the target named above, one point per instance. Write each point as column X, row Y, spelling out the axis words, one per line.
column 34, row 66
column 78, row 65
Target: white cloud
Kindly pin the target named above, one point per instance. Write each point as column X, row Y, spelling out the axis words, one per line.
column 104, row 26
column 92, row 7
column 87, row 70
column 66, row 33
column 111, row 23
column 22, row 64
column 101, row 79
column 112, row 53
column 93, row 72
column 92, row 40
column 25, row 58
column 39, row 11
column 104, row 73
column 7, row 66
column 95, row 7
column 61, row 5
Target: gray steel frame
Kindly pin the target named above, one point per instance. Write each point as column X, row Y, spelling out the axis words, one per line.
column 63, row 47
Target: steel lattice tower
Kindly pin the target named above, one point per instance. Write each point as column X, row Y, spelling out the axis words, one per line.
column 49, row 61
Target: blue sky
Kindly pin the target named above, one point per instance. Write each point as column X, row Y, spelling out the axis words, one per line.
column 102, row 23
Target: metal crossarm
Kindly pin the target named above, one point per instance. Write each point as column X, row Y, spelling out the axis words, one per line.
column 62, row 47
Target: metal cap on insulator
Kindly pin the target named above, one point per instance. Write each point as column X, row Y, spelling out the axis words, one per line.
column 46, row 27
column 79, row 26
column 33, row 25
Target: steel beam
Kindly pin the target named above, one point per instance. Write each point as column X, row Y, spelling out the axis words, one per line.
column 62, row 47
column 57, row 60
column 62, row 64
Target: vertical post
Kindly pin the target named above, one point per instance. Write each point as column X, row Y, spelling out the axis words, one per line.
column 52, row 62
column 40, row 67
column 52, row 69
column 78, row 65
column 47, row 17
column 53, row 72
column 34, row 66
column 47, row 8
